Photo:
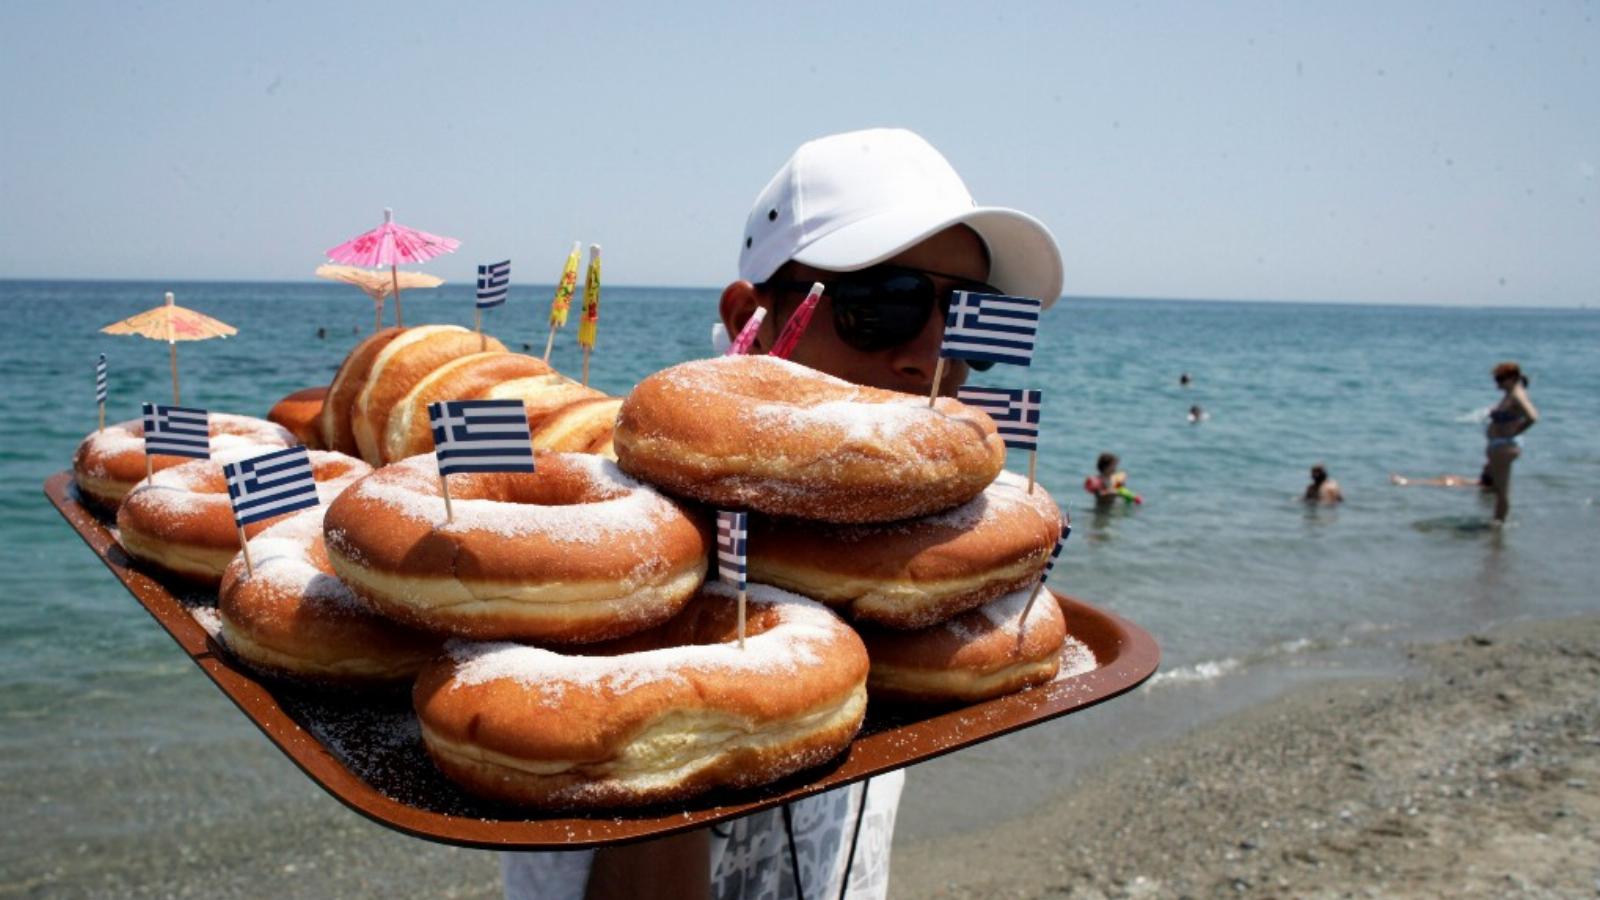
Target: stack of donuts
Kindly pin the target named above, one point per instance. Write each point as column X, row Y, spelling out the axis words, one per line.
column 567, row 643
column 377, row 406
column 895, row 513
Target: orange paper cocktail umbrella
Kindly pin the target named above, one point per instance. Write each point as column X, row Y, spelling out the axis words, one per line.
column 172, row 323
column 378, row 284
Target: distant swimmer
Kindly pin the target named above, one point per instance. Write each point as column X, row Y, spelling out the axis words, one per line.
column 1184, row 379
column 1484, row 481
column 322, row 333
column 1109, row 484
column 1509, row 418
column 1322, row 489
column 1196, row 414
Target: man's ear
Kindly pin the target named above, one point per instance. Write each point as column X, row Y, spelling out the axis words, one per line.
column 739, row 303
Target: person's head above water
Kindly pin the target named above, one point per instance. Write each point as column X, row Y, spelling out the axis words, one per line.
column 885, row 223
column 1509, row 371
column 1106, row 464
column 1319, row 473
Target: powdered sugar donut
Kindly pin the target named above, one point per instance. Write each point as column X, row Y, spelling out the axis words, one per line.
column 294, row 617
column 671, row 713
column 575, row 552
column 109, row 463
column 770, row 435
column 180, row 518
column 915, row 572
column 975, row 656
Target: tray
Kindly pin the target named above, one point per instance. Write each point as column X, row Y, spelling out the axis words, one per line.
column 369, row 755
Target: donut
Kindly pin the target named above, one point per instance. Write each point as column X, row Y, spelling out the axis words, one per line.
column 107, row 464
column 180, row 519
column 396, row 369
column 913, row 573
column 675, row 713
column 293, row 618
column 582, row 427
column 301, row 413
column 542, row 395
column 975, row 656
column 575, row 552
column 465, row 378
column 348, row 384
column 770, row 435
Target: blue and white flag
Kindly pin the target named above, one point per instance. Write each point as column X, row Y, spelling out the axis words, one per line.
column 1066, row 532
column 270, row 485
column 481, row 436
column 1015, row 412
column 733, row 534
column 101, row 381
column 176, row 431
column 990, row 327
column 494, row 282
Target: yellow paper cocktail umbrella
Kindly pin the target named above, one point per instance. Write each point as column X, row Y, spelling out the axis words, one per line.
column 172, row 323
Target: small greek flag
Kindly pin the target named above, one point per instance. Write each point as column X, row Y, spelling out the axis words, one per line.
column 481, row 436
column 270, row 485
column 1015, row 412
column 494, row 282
column 1066, row 532
column 176, row 431
column 100, row 380
column 733, row 535
column 991, row 327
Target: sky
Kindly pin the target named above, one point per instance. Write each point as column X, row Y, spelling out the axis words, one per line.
column 1412, row 152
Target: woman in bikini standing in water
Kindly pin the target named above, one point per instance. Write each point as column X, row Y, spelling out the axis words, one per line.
column 1513, row 415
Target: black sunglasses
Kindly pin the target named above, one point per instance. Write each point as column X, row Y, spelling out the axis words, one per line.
column 887, row 306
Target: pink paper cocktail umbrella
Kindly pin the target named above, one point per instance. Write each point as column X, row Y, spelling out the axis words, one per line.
column 391, row 244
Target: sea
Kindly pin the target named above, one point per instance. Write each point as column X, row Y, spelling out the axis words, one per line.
column 124, row 772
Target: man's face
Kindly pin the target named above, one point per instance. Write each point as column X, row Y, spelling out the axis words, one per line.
column 909, row 367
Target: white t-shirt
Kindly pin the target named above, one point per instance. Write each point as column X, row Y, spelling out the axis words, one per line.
column 751, row 858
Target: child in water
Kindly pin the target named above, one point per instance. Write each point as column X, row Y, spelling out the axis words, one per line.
column 1110, row 483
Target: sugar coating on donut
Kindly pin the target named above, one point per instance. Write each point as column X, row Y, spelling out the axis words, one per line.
column 411, row 488
column 1003, row 615
column 281, row 559
column 774, row 436
column 808, row 626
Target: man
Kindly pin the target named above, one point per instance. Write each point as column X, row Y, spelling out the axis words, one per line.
column 884, row 222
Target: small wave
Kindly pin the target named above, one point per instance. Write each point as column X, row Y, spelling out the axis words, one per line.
column 1205, row 671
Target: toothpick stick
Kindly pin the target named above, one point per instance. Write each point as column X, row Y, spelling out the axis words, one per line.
column 938, row 375
column 586, row 367
column 102, row 416
column 550, row 344
column 444, row 485
column 1033, row 464
column 477, row 323
column 1022, row 623
column 741, row 617
column 244, row 544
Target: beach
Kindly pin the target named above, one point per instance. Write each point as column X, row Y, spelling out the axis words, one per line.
column 1474, row 772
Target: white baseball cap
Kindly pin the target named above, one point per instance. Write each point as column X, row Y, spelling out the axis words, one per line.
column 849, row 201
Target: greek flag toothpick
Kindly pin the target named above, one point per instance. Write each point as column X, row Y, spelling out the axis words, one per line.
column 494, row 282
column 101, row 388
column 989, row 328
column 1015, row 412
column 479, row 436
column 175, row 431
column 733, row 534
column 266, row 486
column 1066, row 532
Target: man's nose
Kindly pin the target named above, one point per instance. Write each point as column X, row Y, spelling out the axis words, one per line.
column 916, row 360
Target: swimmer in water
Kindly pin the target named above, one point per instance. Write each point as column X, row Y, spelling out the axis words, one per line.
column 1322, row 489
column 1196, row 414
column 1513, row 415
column 1109, row 483
column 1184, row 379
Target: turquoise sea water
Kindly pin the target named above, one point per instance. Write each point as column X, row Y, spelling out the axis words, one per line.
column 111, row 741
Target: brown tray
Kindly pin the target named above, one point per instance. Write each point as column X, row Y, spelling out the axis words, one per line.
column 368, row 753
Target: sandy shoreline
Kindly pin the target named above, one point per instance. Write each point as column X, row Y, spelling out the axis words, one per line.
column 1476, row 772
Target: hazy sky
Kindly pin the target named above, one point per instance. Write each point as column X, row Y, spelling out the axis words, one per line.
column 1409, row 152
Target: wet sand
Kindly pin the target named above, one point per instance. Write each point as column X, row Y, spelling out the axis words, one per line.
column 1474, row 772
